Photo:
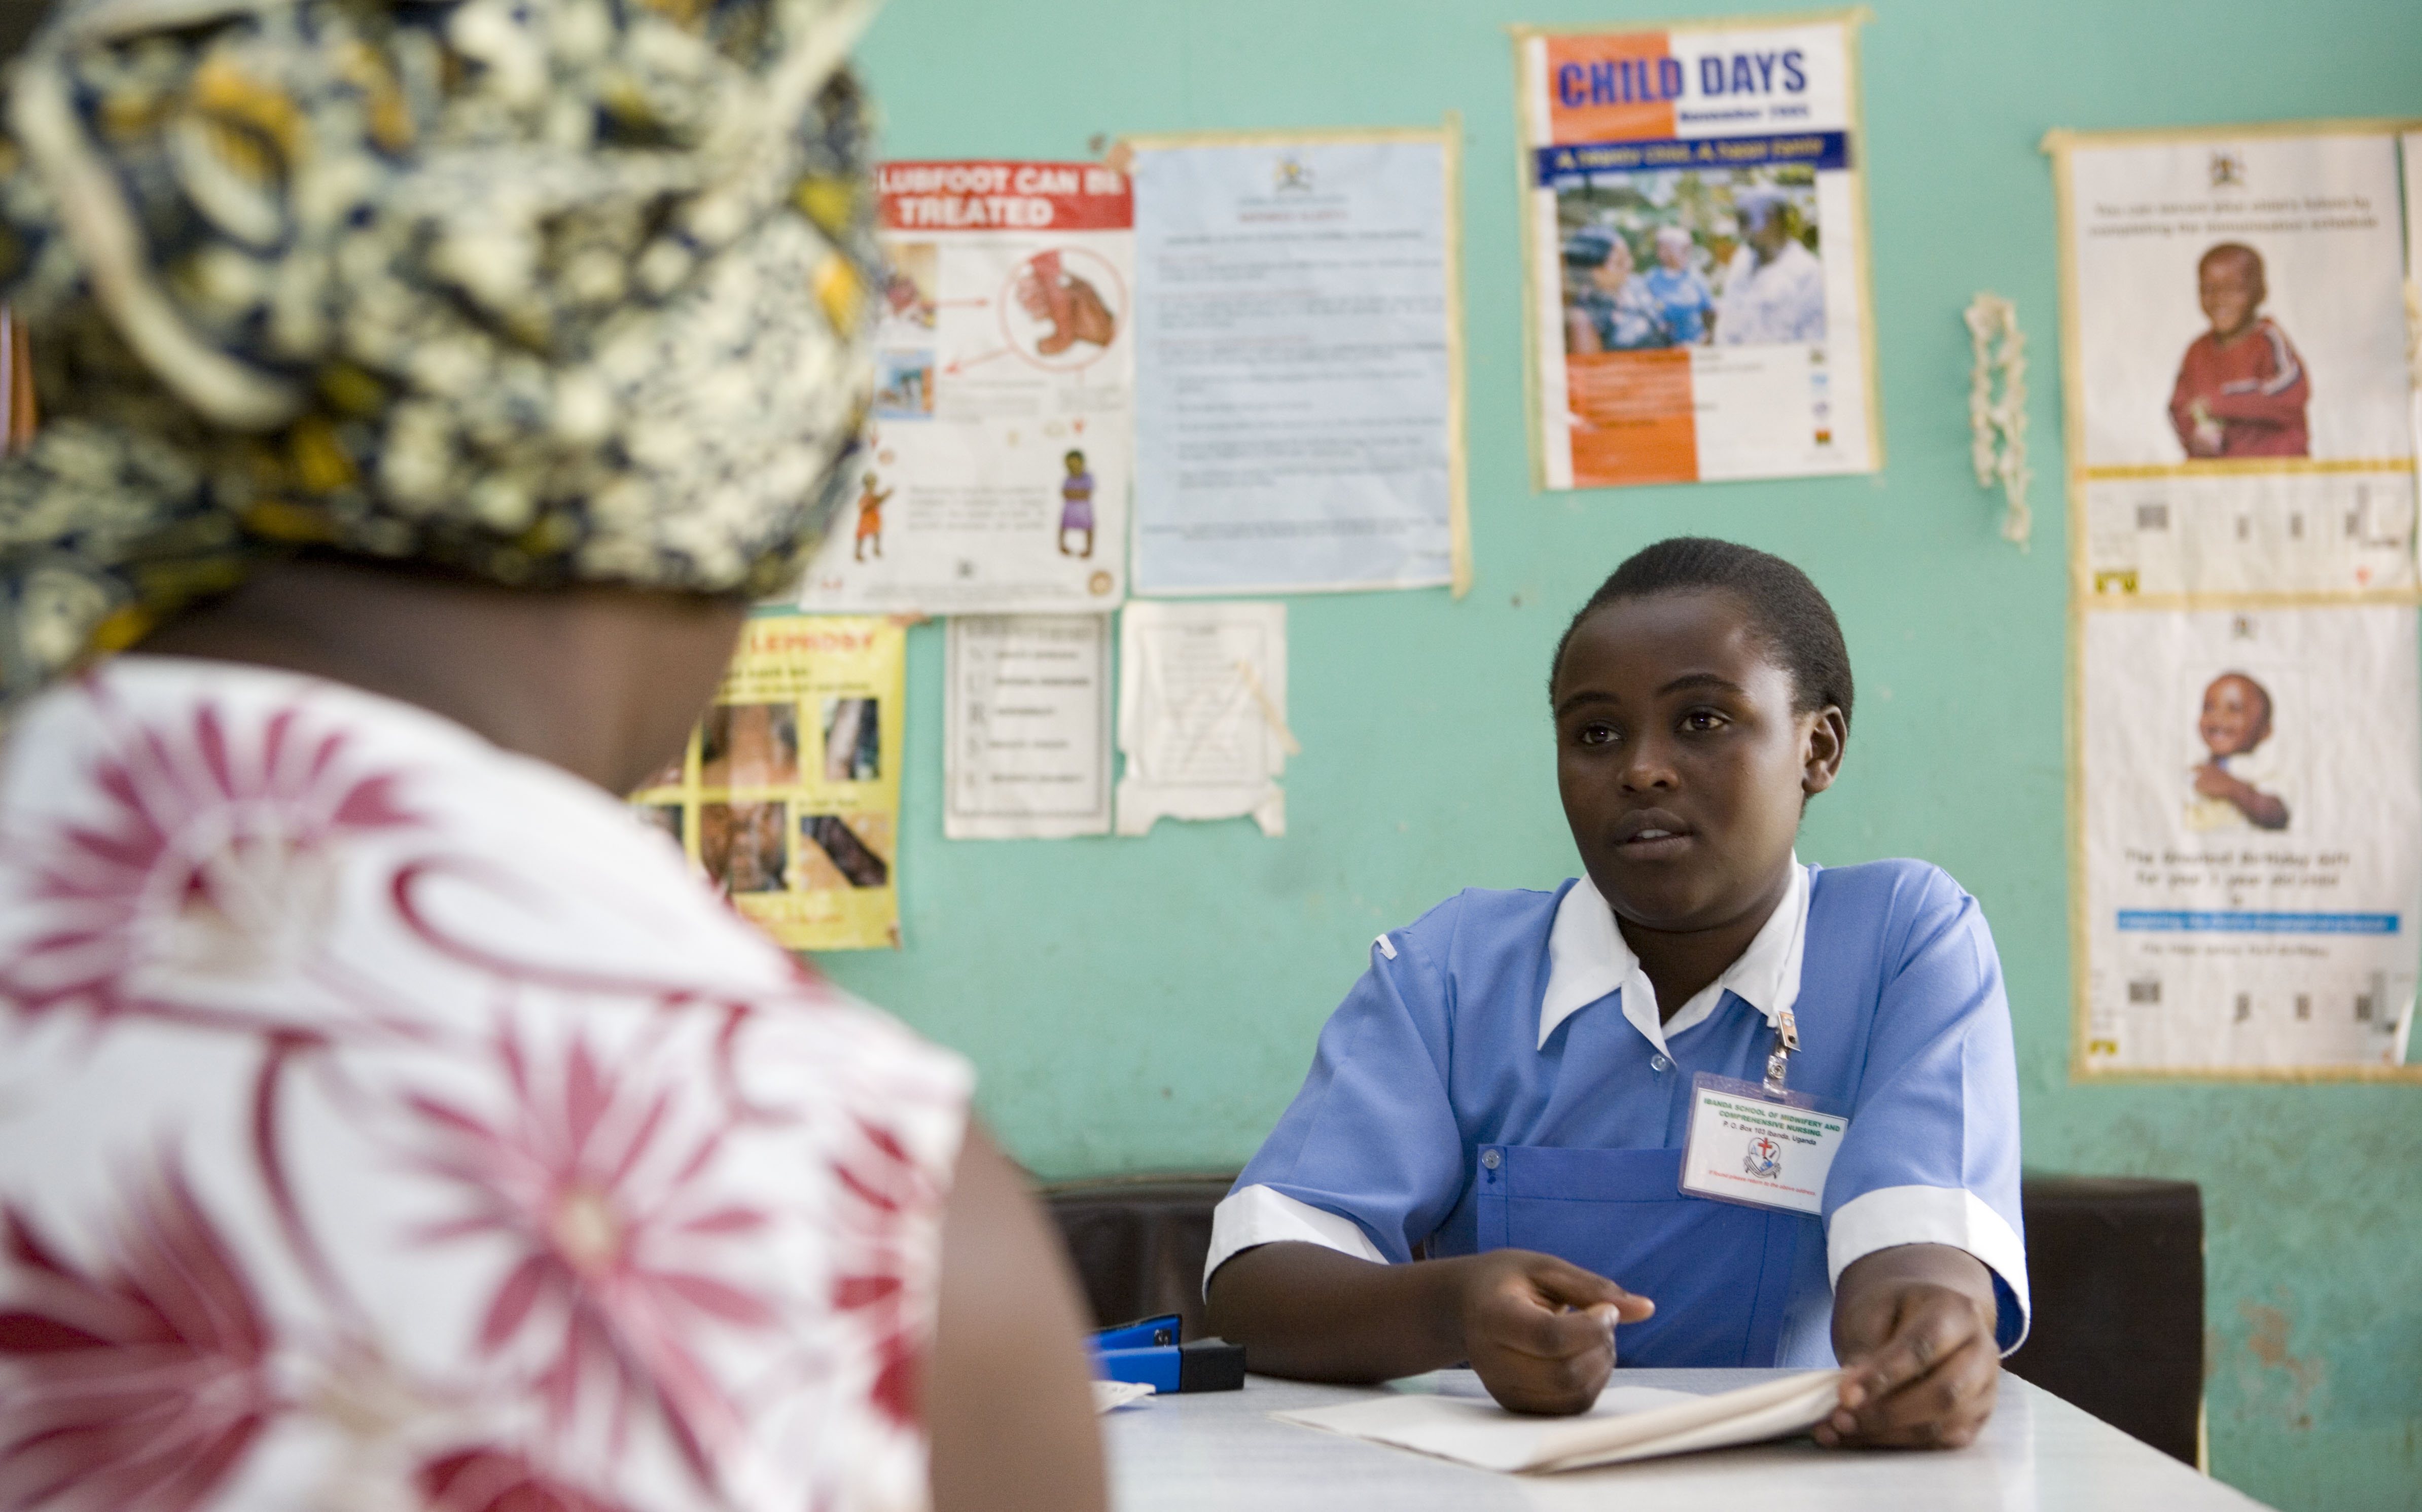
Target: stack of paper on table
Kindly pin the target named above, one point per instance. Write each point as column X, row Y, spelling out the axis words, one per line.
column 1626, row 1423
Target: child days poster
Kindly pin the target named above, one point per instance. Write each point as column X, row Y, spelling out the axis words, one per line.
column 788, row 796
column 995, row 470
column 2239, row 404
column 1695, row 249
column 2248, row 785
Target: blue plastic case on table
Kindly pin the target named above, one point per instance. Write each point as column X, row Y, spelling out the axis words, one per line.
column 1149, row 1352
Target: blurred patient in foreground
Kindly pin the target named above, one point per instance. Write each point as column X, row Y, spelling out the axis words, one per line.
column 388, row 1119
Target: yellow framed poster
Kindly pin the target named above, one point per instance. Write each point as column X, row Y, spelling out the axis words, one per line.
column 788, row 796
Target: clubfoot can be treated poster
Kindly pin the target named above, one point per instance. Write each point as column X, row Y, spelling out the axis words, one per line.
column 997, row 465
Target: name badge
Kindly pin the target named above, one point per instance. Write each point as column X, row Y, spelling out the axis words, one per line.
column 1752, row 1146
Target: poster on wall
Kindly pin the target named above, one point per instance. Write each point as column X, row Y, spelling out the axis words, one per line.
column 2410, row 152
column 997, row 456
column 788, row 796
column 1026, row 726
column 1299, row 362
column 1203, row 691
column 2248, row 789
column 1694, row 235
column 2240, row 401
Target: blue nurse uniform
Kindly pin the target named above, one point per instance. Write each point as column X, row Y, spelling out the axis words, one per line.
column 1486, row 1084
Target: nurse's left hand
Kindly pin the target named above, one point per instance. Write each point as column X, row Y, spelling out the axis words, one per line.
column 1913, row 1329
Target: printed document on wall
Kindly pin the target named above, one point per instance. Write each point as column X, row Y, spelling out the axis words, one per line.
column 1202, row 713
column 789, row 793
column 1027, row 725
column 2250, row 790
column 997, row 462
column 2408, row 152
column 2240, row 406
column 1299, row 399
column 1695, row 233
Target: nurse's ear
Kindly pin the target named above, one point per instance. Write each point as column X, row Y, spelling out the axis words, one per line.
column 1823, row 737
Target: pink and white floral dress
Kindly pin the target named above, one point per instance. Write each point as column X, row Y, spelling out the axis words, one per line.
column 388, row 1122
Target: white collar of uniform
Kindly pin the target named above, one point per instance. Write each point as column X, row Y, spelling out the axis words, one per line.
column 1588, row 958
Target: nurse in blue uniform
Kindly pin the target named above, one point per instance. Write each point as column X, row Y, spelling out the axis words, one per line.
column 1505, row 1094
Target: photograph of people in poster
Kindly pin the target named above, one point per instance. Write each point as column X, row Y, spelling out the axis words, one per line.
column 787, row 796
column 1696, row 239
column 2250, row 785
column 997, row 457
column 2240, row 402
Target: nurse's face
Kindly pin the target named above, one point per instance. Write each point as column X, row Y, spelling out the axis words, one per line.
column 1681, row 763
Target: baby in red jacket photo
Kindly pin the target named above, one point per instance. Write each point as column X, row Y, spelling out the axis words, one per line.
column 2242, row 388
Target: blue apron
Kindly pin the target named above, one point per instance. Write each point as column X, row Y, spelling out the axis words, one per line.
column 1733, row 1286
column 1722, row 1274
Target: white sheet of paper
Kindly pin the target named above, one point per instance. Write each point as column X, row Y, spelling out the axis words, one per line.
column 1109, row 1395
column 1294, row 383
column 1026, row 724
column 1626, row 1423
column 1202, row 713
column 2267, row 922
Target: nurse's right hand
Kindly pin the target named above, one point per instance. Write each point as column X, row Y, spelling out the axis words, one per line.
column 1540, row 1332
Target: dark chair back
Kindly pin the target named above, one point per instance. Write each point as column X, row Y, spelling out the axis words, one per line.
column 2115, row 1265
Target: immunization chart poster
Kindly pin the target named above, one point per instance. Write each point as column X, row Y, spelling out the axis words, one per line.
column 2240, row 401
column 1695, row 238
column 2248, row 786
column 2410, row 152
column 998, row 454
column 1026, row 721
column 1300, row 362
column 789, row 794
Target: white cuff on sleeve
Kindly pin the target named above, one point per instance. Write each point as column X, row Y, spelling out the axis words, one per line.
column 1892, row 1216
column 1258, row 1215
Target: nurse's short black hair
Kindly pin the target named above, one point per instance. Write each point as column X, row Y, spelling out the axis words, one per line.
column 1787, row 610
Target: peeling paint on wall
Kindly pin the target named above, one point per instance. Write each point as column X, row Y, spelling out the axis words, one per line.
column 2288, row 1393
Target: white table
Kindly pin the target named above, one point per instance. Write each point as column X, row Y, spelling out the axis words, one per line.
column 1222, row 1452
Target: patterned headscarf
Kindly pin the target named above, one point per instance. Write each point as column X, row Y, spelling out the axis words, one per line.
column 539, row 291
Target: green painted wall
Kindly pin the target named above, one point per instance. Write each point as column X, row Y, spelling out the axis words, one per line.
column 1150, row 1005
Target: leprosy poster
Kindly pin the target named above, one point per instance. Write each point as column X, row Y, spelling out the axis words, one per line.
column 1299, row 365
column 2240, row 400
column 2248, row 788
column 1696, row 242
column 788, row 796
column 997, row 456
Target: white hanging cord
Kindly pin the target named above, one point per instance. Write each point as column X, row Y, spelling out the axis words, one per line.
column 1998, row 425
